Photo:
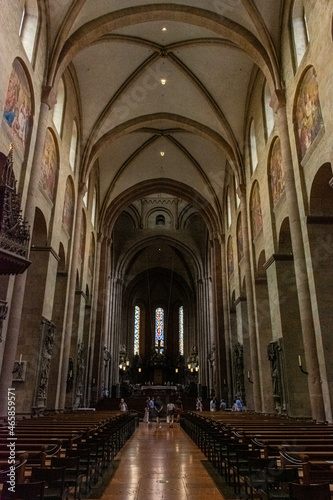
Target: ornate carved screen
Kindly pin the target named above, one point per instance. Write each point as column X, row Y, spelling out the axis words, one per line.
column 14, row 234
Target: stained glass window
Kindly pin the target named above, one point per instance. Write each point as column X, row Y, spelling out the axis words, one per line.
column 136, row 330
column 159, row 329
column 181, row 331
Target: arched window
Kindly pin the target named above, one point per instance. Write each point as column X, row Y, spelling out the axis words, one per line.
column 93, row 208
column 181, row 330
column 159, row 329
column 228, row 208
column 72, row 152
column 85, row 198
column 300, row 30
column 269, row 114
column 136, row 330
column 253, row 147
column 28, row 26
column 236, row 190
column 58, row 109
column 160, row 220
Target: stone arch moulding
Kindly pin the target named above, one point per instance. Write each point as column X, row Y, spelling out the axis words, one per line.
column 165, row 185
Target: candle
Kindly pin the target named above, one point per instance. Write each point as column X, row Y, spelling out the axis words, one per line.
column 20, row 359
column 248, row 374
column 299, row 360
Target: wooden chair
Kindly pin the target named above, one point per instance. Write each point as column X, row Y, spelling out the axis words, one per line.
column 73, row 477
column 257, row 476
column 24, row 491
column 277, row 483
column 309, row 491
column 54, row 479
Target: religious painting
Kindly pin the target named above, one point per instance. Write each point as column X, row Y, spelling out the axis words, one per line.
column 91, row 259
column 17, row 108
column 83, row 236
column 309, row 120
column 276, row 172
column 50, row 167
column 240, row 245
column 68, row 210
column 230, row 257
column 255, row 211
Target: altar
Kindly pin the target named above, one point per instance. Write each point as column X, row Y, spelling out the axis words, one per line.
column 161, row 389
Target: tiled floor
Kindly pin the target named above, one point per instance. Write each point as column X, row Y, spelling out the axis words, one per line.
column 158, row 464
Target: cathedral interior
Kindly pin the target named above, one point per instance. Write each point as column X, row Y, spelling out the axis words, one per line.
column 166, row 202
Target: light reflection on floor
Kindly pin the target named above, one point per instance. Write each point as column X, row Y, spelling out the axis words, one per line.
column 161, row 464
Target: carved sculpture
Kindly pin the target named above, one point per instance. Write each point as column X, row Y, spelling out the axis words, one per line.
column 14, row 233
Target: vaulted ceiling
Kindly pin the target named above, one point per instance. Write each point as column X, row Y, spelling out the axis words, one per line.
column 171, row 78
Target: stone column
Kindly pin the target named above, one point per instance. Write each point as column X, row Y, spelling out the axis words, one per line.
column 14, row 318
column 95, row 293
column 218, row 314
column 226, row 375
column 67, row 334
column 250, row 302
column 302, row 283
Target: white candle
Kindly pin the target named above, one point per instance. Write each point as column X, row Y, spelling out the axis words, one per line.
column 248, row 374
column 20, row 358
column 299, row 360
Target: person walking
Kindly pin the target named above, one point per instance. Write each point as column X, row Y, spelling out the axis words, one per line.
column 170, row 413
column 146, row 412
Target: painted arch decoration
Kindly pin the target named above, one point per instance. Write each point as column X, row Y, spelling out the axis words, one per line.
column 276, row 172
column 255, row 211
column 49, row 168
column 308, row 116
column 18, row 107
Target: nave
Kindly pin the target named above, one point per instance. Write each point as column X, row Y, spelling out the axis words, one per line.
column 158, row 464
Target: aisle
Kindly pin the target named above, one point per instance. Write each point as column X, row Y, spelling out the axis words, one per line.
column 158, row 464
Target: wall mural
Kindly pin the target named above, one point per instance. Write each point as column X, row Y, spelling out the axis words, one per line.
column 68, row 210
column 50, row 167
column 240, row 245
column 255, row 211
column 83, row 236
column 17, row 109
column 230, row 257
column 309, row 120
column 276, row 172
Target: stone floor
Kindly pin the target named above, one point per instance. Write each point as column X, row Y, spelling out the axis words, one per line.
column 162, row 463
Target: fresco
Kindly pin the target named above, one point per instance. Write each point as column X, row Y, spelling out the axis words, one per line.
column 230, row 257
column 255, row 210
column 50, row 167
column 276, row 172
column 68, row 210
column 17, row 108
column 308, row 112
column 240, row 245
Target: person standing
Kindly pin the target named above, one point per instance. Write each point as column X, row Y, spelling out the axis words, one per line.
column 223, row 405
column 146, row 414
column 122, row 405
column 158, row 410
column 178, row 409
column 198, row 405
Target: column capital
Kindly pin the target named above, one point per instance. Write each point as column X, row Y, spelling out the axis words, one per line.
column 278, row 100
column 49, row 96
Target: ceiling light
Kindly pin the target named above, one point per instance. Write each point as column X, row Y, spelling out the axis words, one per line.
column 162, row 153
column 164, row 28
column 163, row 81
